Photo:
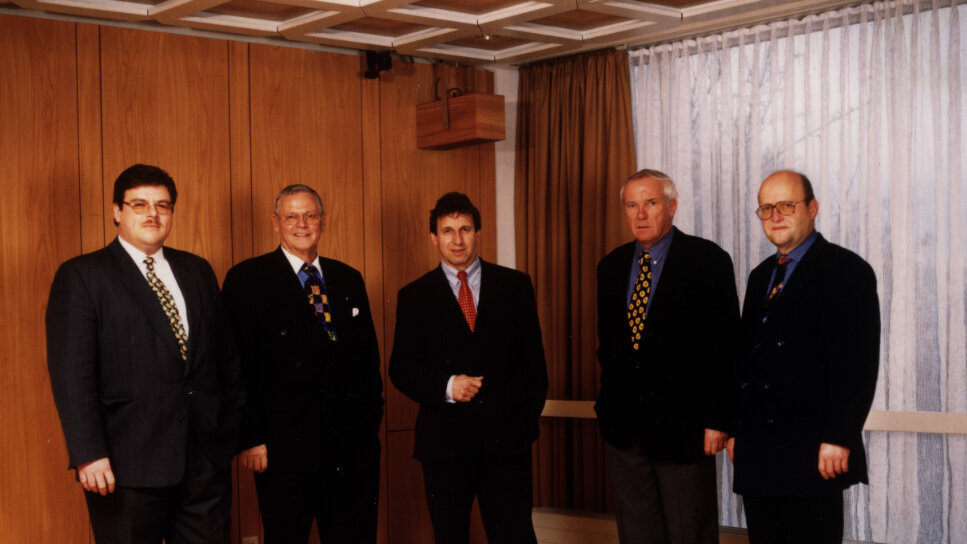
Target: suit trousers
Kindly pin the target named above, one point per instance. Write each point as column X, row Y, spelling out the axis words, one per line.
column 663, row 503
column 811, row 519
column 342, row 498
column 502, row 486
column 196, row 511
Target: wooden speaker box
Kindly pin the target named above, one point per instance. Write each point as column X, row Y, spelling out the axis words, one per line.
column 468, row 119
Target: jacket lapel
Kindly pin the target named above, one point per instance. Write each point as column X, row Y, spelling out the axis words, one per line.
column 443, row 292
column 141, row 292
column 188, row 284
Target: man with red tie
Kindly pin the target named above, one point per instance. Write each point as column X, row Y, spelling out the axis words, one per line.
column 468, row 348
column 807, row 374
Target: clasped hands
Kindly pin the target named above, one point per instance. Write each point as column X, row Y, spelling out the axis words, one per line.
column 465, row 388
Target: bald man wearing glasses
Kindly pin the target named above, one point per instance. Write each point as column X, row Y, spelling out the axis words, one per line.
column 311, row 364
column 145, row 377
column 807, row 373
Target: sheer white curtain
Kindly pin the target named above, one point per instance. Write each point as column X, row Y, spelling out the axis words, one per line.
column 869, row 103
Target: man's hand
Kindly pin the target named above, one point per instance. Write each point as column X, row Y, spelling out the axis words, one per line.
column 465, row 387
column 255, row 458
column 833, row 460
column 714, row 441
column 730, row 448
column 96, row 476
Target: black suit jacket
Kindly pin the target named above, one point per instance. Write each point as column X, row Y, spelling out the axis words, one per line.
column 313, row 402
column 433, row 342
column 120, row 385
column 676, row 385
column 808, row 374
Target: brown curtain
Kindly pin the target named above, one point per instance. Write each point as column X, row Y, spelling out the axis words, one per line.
column 575, row 147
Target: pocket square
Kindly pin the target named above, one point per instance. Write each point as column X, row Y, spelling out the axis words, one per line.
column 355, row 311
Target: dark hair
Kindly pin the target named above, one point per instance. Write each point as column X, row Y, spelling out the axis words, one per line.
column 807, row 186
column 141, row 175
column 450, row 204
column 296, row 189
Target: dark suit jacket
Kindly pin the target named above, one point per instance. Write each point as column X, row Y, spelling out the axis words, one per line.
column 433, row 342
column 121, row 388
column 808, row 374
column 676, row 385
column 314, row 403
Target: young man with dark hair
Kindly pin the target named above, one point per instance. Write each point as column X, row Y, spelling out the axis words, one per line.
column 468, row 348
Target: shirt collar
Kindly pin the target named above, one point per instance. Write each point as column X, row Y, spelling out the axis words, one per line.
column 473, row 272
column 296, row 263
column 659, row 249
column 137, row 254
column 796, row 254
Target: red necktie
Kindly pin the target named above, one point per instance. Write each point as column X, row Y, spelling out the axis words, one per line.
column 777, row 284
column 465, row 299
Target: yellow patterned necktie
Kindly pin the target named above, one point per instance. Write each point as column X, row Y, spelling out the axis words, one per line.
column 169, row 307
column 639, row 299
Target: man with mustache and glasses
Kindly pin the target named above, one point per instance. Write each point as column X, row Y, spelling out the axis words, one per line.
column 145, row 377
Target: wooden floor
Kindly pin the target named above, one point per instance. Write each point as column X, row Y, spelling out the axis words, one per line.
column 562, row 526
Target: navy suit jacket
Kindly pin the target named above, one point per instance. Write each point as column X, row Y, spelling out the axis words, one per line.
column 676, row 385
column 120, row 385
column 433, row 342
column 314, row 403
column 808, row 374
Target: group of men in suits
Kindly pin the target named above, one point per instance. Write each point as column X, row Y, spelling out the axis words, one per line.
column 785, row 390
column 159, row 379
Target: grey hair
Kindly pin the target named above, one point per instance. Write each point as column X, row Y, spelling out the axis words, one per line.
column 296, row 189
column 668, row 185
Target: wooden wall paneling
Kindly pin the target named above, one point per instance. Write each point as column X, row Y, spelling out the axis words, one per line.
column 166, row 102
column 409, row 520
column 240, row 135
column 373, row 240
column 245, row 506
column 93, row 205
column 40, row 225
column 487, row 201
column 306, row 129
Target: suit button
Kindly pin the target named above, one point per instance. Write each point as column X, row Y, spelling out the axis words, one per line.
column 283, row 332
column 780, row 343
column 190, row 393
column 767, row 386
column 298, row 364
column 743, row 385
column 770, row 421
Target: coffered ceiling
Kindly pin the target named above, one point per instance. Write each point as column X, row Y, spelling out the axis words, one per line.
column 465, row 31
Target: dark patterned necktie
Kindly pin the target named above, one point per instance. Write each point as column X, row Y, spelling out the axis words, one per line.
column 169, row 307
column 316, row 291
column 778, row 281
column 465, row 298
column 639, row 299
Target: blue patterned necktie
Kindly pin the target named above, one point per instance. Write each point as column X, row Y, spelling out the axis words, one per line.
column 316, row 291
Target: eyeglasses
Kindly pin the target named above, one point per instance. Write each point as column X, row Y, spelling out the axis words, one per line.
column 786, row 207
column 310, row 218
column 141, row 207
